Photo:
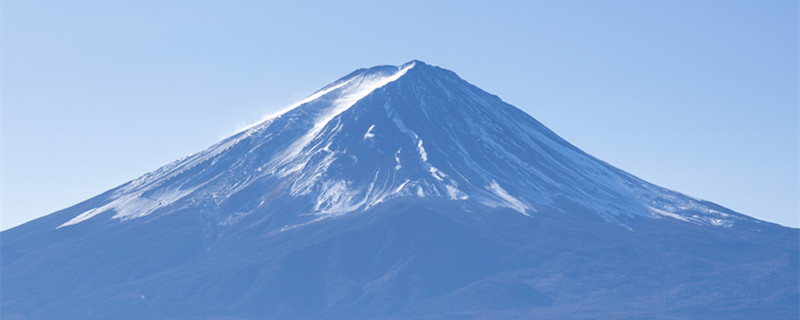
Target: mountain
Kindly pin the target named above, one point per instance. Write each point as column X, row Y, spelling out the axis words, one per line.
column 397, row 192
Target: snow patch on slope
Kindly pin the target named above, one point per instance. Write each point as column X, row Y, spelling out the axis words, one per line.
column 422, row 154
column 369, row 133
column 132, row 206
column 397, row 166
column 455, row 194
column 510, row 201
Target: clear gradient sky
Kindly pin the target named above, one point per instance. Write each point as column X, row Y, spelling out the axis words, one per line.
column 696, row 96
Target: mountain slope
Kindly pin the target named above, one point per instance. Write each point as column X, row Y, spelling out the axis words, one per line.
column 397, row 192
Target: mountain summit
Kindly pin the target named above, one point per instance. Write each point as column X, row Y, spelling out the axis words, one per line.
column 397, row 191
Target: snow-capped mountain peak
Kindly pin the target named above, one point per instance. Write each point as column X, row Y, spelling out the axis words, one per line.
column 392, row 132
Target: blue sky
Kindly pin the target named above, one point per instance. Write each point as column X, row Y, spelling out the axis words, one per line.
column 696, row 96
